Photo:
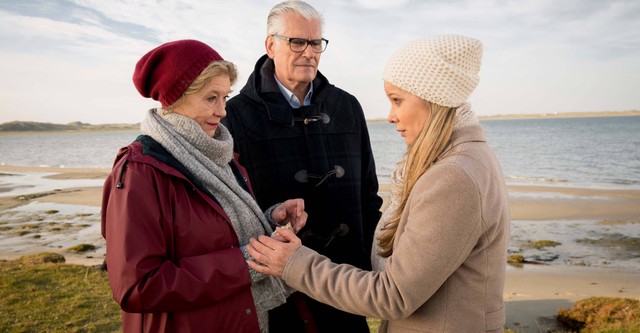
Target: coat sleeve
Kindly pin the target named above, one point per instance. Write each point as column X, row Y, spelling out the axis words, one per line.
column 139, row 235
column 442, row 227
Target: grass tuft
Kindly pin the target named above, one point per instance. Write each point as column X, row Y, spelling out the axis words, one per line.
column 41, row 258
column 81, row 248
column 543, row 243
column 602, row 314
column 515, row 258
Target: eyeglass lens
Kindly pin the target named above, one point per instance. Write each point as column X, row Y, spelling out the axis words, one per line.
column 299, row 44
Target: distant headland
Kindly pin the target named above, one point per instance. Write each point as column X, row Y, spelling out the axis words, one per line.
column 565, row 115
column 551, row 115
column 27, row 127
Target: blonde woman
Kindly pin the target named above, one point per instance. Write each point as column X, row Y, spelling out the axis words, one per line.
column 441, row 245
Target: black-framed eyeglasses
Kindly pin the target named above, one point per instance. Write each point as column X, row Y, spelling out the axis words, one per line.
column 300, row 44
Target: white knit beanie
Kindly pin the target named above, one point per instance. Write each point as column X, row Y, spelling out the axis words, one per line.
column 440, row 69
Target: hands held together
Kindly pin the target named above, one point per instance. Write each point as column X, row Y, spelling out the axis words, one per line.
column 271, row 254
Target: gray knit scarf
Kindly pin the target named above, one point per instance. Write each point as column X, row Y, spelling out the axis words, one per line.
column 464, row 117
column 208, row 160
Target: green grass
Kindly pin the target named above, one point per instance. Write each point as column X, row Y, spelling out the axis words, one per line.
column 41, row 296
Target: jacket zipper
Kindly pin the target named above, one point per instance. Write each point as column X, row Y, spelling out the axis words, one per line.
column 120, row 184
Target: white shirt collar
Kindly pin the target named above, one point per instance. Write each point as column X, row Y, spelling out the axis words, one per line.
column 291, row 98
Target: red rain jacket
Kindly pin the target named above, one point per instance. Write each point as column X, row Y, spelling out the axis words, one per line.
column 173, row 258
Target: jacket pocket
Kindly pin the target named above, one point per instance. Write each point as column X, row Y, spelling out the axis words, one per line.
column 494, row 320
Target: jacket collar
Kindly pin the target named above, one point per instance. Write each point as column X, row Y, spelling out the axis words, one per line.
column 473, row 133
column 152, row 148
column 262, row 87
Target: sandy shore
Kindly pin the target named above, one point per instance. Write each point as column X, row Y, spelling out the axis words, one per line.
column 534, row 294
column 52, row 209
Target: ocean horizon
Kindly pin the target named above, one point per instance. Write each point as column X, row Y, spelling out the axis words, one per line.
column 593, row 152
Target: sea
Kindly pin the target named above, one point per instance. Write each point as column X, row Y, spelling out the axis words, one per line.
column 593, row 152
column 599, row 153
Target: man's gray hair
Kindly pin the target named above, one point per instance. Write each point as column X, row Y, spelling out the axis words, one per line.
column 275, row 21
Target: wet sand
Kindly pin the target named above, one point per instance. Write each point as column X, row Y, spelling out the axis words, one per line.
column 52, row 209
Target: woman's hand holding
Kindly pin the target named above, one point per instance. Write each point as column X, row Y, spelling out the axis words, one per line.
column 290, row 211
column 271, row 255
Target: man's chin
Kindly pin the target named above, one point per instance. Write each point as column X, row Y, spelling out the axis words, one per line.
column 306, row 77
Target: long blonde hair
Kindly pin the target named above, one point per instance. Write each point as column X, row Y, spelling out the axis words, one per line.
column 429, row 145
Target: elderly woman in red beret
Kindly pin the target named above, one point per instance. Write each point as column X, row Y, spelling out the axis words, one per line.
column 178, row 210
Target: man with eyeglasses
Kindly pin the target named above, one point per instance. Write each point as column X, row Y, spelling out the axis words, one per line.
column 300, row 136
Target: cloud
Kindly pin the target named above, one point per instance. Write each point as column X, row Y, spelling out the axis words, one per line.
column 72, row 60
column 380, row 4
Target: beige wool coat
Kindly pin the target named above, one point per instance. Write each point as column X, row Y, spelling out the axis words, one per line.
column 447, row 270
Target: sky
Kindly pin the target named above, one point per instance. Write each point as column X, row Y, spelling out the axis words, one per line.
column 72, row 60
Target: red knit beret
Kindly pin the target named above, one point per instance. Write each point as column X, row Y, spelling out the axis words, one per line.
column 165, row 72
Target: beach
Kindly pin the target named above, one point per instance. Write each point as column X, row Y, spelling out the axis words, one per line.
column 53, row 209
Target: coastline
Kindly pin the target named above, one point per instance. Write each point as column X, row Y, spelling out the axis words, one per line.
column 57, row 208
column 563, row 115
column 548, row 115
column 136, row 126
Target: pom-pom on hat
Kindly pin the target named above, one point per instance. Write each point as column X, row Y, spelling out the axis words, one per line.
column 441, row 69
column 165, row 72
